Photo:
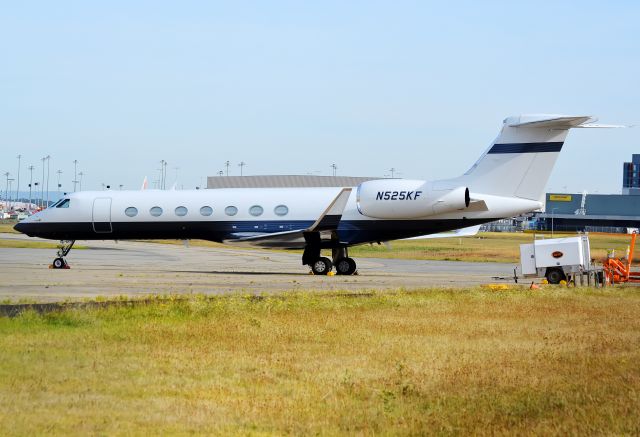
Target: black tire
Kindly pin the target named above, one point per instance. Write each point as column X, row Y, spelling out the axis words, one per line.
column 345, row 266
column 59, row 263
column 321, row 266
column 554, row 276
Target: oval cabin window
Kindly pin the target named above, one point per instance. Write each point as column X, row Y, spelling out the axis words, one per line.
column 231, row 210
column 206, row 211
column 256, row 210
column 156, row 211
column 181, row 211
column 281, row 210
column 131, row 211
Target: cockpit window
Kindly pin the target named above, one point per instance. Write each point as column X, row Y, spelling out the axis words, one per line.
column 56, row 203
column 64, row 204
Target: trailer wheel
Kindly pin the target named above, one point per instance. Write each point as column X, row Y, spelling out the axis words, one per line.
column 554, row 276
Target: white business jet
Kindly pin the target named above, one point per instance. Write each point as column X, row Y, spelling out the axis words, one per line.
column 509, row 179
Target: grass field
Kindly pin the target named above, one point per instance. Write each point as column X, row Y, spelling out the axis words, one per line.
column 26, row 244
column 556, row 361
column 484, row 247
column 7, row 227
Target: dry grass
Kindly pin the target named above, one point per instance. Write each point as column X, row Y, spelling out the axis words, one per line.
column 485, row 247
column 26, row 244
column 6, row 227
column 556, row 361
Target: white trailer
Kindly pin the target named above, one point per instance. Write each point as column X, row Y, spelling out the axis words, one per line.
column 556, row 259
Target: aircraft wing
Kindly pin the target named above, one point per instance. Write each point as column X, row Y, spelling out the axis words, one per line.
column 296, row 239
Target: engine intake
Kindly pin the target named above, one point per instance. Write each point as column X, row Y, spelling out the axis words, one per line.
column 407, row 199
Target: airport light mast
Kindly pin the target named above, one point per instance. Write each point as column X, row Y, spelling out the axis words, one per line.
column 75, row 174
column 48, row 164
column 31, row 167
column 18, row 182
column 42, row 184
column 241, row 165
column 6, row 189
column 9, row 182
column 59, row 185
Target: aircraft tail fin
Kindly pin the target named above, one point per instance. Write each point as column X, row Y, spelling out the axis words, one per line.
column 519, row 161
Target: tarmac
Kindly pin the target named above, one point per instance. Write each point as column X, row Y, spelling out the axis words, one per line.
column 108, row 268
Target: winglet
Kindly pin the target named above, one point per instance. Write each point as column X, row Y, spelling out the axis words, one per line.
column 331, row 216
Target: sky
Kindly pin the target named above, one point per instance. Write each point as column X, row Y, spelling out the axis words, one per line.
column 294, row 87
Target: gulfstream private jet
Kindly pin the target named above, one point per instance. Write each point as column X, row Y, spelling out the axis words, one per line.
column 509, row 179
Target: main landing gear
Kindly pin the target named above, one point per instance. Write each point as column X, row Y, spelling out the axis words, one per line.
column 321, row 265
column 59, row 262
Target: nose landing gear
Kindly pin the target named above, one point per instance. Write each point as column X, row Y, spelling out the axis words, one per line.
column 60, row 262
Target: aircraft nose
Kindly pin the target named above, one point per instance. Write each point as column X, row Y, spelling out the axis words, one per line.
column 21, row 227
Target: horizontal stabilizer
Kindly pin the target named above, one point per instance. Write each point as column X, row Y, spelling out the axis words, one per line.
column 548, row 121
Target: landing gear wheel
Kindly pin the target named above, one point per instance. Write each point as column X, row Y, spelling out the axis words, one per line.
column 554, row 276
column 345, row 266
column 321, row 266
column 63, row 250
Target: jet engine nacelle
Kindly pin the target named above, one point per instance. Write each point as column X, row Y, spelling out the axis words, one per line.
column 406, row 199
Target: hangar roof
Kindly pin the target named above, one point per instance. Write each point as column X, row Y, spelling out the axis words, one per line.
column 283, row 181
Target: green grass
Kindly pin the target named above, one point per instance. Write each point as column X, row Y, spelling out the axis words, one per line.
column 556, row 361
column 26, row 244
column 484, row 247
column 7, row 227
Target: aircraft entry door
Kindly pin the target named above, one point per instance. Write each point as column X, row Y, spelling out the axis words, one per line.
column 102, row 215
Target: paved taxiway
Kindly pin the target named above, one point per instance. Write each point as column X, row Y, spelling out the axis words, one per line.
column 107, row 268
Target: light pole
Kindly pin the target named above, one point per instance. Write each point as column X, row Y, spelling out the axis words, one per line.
column 9, row 182
column 163, row 174
column 80, row 174
column 75, row 174
column 392, row 170
column 48, row 162
column 42, row 184
column 334, row 167
column 18, row 181
column 552, row 215
column 31, row 167
column 59, row 185
column 227, row 164
column 6, row 190
column 241, row 165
